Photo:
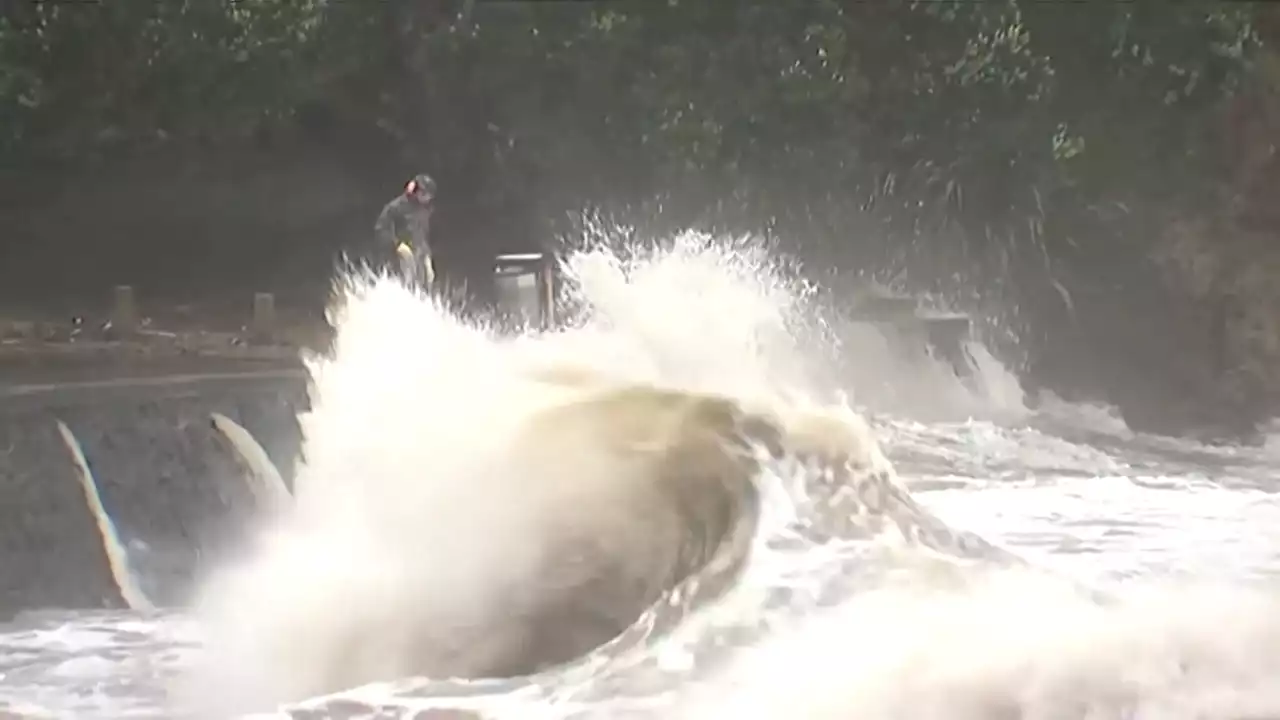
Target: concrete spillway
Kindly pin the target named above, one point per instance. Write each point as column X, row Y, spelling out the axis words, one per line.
column 117, row 492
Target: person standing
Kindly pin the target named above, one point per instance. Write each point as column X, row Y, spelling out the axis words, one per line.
column 403, row 231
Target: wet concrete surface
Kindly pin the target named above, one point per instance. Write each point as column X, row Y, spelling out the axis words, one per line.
column 175, row 489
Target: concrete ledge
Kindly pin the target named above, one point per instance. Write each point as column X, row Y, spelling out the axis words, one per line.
column 123, row 388
column 172, row 484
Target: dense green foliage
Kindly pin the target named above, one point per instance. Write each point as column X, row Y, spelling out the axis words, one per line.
column 989, row 127
column 1035, row 156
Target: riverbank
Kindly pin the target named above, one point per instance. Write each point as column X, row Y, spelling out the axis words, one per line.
column 37, row 348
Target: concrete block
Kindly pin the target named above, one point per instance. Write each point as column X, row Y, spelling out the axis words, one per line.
column 263, row 327
column 124, row 310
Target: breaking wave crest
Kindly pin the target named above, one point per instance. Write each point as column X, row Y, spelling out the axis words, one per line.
column 672, row 477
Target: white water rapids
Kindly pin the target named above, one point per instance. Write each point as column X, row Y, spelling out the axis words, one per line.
column 1181, row 541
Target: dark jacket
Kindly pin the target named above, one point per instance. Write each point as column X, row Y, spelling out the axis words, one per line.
column 404, row 220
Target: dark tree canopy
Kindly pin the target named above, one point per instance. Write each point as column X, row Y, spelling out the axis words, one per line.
column 1012, row 147
column 979, row 114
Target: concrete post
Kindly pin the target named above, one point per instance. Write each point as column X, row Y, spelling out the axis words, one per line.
column 124, row 311
column 549, row 290
column 263, row 328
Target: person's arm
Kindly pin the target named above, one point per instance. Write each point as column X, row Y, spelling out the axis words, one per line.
column 427, row 256
column 384, row 229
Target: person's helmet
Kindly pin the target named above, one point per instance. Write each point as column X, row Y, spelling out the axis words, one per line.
column 421, row 188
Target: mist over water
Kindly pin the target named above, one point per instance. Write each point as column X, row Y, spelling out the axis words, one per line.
column 412, row 518
column 420, row 516
column 417, row 516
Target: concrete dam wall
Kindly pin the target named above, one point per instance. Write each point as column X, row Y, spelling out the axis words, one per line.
column 119, row 492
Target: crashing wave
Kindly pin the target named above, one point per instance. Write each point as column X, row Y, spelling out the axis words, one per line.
column 476, row 506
